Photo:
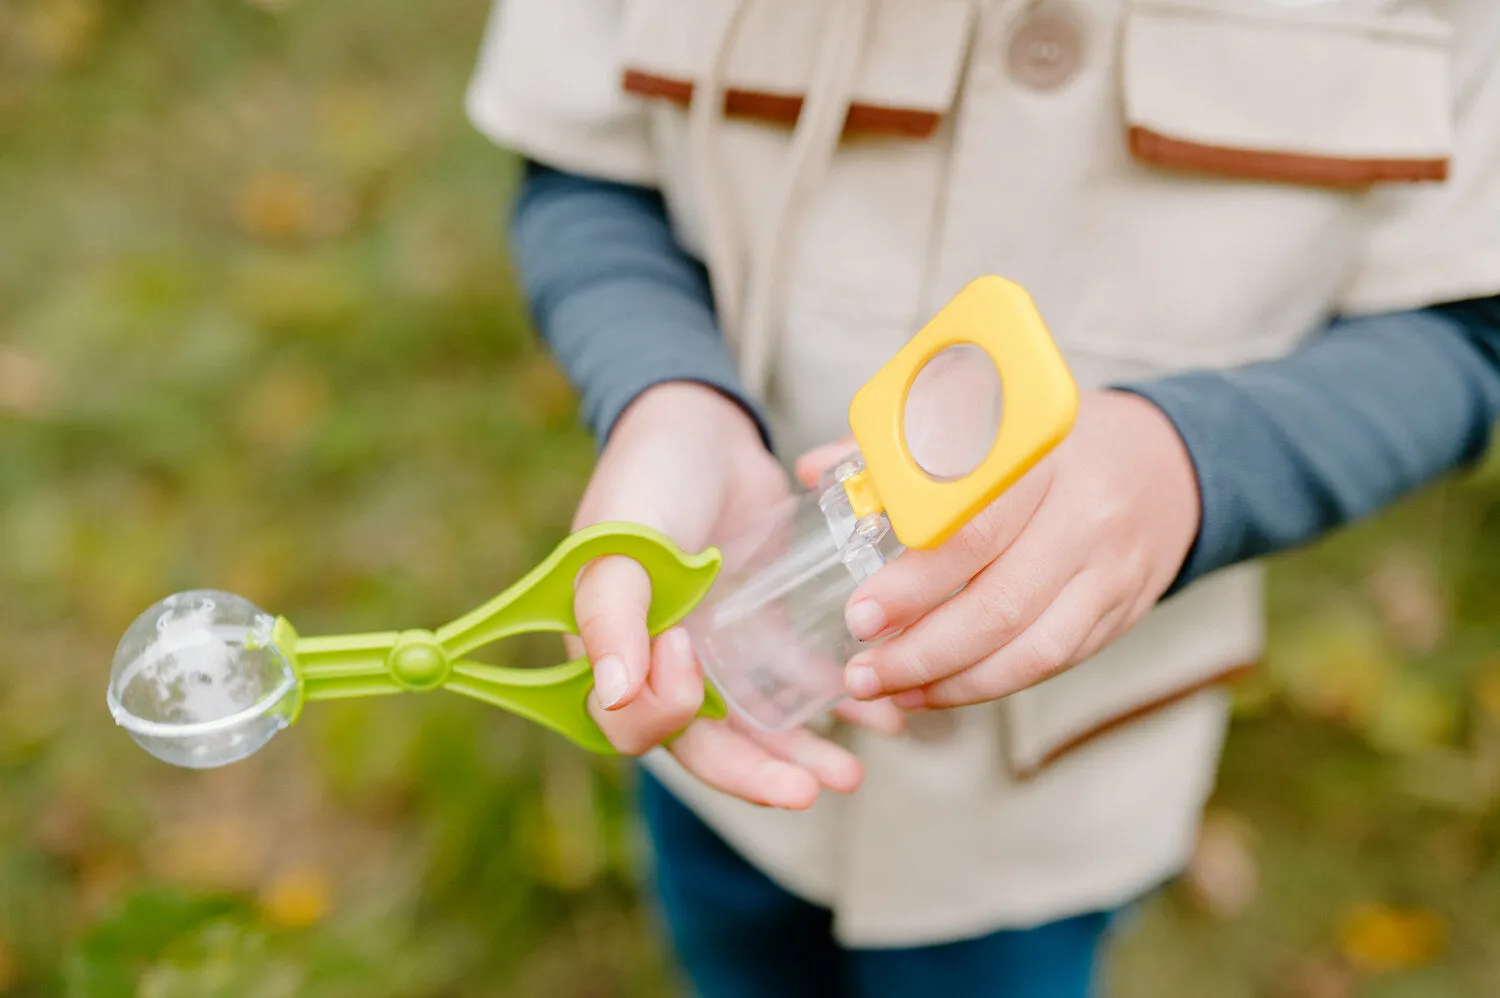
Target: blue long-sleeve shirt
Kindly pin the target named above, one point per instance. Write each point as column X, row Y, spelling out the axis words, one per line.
column 1284, row 450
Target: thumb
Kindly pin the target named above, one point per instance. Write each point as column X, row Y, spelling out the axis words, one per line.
column 812, row 465
column 610, row 603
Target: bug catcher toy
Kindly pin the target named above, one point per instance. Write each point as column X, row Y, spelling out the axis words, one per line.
column 966, row 408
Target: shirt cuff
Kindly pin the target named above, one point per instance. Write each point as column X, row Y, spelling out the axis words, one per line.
column 693, row 360
column 1197, row 407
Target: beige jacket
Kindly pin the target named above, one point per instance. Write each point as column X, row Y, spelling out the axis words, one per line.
column 1178, row 183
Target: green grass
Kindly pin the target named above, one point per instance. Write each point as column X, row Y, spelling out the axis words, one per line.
column 257, row 332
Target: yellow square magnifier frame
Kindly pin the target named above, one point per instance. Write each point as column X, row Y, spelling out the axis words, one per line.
column 1039, row 403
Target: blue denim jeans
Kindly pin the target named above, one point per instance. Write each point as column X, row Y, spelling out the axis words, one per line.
column 738, row 935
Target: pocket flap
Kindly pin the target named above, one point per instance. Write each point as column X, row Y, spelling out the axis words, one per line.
column 1254, row 89
column 906, row 84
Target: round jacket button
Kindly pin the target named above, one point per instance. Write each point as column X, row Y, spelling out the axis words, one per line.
column 1046, row 49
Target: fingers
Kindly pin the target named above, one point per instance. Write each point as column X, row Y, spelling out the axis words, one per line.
column 810, row 466
column 610, row 603
column 833, row 766
column 784, row 769
column 997, row 606
column 912, row 585
column 672, row 695
column 1054, row 641
column 727, row 760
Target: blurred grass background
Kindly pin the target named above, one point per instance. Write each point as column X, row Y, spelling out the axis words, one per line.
column 257, row 332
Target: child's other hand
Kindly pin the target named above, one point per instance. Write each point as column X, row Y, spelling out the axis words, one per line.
column 1064, row 562
column 690, row 463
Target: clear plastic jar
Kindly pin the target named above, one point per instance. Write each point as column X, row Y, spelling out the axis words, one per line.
column 771, row 635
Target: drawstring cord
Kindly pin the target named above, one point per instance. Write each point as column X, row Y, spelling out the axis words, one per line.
column 721, row 245
column 750, row 298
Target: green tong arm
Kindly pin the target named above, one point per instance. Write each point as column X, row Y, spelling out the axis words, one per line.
column 556, row 697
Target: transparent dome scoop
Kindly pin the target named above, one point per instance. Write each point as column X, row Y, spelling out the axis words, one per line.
column 971, row 403
column 198, row 680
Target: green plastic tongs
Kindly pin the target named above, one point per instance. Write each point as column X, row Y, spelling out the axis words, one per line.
column 206, row 678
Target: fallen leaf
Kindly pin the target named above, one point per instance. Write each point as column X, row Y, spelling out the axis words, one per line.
column 221, row 851
column 274, row 206
column 296, row 899
column 1408, row 594
column 1330, row 978
column 26, row 384
column 1379, row 938
column 60, row 32
column 66, row 828
column 1223, row 877
column 103, row 879
column 278, row 206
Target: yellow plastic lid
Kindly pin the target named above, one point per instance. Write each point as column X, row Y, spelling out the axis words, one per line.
column 968, row 406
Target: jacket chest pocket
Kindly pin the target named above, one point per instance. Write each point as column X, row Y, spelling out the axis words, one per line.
column 1231, row 212
column 1340, row 93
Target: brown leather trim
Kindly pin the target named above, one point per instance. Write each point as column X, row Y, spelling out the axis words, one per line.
column 867, row 119
column 1229, row 675
column 1285, row 167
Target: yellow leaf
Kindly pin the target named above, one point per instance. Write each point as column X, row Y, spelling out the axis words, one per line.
column 60, row 32
column 296, row 899
column 274, row 206
column 1379, row 938
column 277, row 206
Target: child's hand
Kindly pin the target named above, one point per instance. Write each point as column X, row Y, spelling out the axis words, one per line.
column 689, row 462
column 1063, row 563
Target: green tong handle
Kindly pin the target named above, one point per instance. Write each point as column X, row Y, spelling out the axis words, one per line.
column 556, row 697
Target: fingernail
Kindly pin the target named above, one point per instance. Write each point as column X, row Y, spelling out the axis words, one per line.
column 611, row 681
column 910, row 700
column 862, row 682
column 865, row 619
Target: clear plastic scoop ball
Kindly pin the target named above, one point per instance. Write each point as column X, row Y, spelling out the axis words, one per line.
column 198, row 682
